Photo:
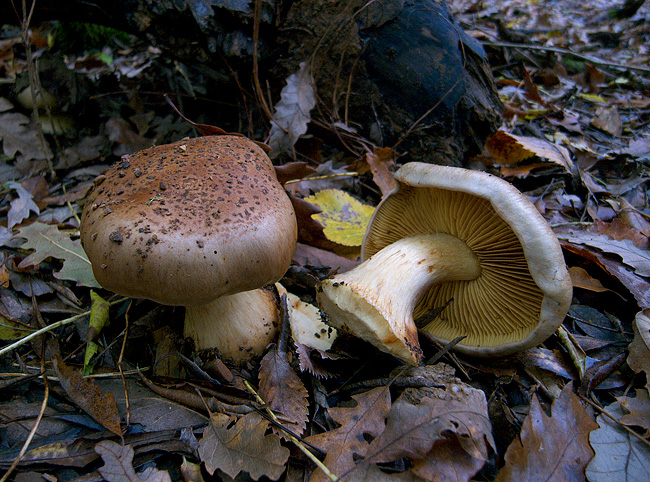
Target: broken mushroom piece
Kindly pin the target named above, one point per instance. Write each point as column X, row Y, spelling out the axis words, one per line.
column 201, row 223
column 462, row 252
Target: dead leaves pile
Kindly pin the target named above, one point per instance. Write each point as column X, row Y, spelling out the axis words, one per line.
column 574, row 140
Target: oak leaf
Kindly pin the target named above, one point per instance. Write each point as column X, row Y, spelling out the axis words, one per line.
column 639, row 357
column 283, row 391
column 639, row 408
column 21, row 206
column 555, row 448
column 444, row 431
column 619, row 456
column 118, row 465
column 48, row 242
column 292, row 113
column 88, row 396
column 346, row 443
column 243, row 445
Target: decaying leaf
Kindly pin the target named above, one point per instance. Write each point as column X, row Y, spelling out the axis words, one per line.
column 632, row 256
column 608, row 119
column 345, row 444
column 639, row 287
column 619, row 456
column 344, row 219
column 118, row 465
column 638, row 408
column 85, row 393
column 445, row 432
column 581, row 279
column 283, row 391
column 17, row 136
column 13, row 329
column 292, row 113
column 243, row 445
column 639, row 357
column 554, row 448
column 508, row 149
column 47, row 241
column 382, row 162
column 21, row 206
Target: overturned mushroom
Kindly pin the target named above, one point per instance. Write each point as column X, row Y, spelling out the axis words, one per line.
column 201, row 223
column 459, row 239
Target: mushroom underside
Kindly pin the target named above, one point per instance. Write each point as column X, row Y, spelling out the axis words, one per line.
column 498, row 312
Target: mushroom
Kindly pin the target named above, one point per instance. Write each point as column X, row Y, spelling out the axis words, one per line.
column 201, row 223
column 459, row 239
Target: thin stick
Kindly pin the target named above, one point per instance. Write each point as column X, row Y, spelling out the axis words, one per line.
column 119, row 366
column 51, row 327
column 624, row 427
column 296, row 442
column 27, row 443
column 559, row 50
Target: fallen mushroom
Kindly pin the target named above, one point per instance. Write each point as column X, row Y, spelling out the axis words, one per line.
column 451, row 236
column 201, row 223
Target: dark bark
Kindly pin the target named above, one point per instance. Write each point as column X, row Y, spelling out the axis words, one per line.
column 400, row 72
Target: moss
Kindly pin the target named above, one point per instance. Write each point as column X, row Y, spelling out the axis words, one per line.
column 78, row 37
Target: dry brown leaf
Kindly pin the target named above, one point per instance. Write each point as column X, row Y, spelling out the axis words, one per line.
column 283, row 391
column 382, row 164
column 348, row 442
column 581, row 279
column 638, row 286
column 639, row 357
column 508, row 149
column 85, row 393
column 638, row 408
column 243, row 445
column 440, row 430
column 118, row 465
column 292, row 112
column 306, row 255
column 607, row 119
column 553, row 449
column 635, row 258
column 619, row 230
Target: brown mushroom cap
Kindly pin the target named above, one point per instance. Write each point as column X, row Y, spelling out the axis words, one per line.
column 523, row 291
column 188, row 222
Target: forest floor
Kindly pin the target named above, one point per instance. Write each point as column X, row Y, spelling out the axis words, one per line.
column 94, row 386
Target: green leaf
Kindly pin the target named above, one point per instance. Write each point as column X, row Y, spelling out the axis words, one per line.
column 344, row 219
column 47, row 241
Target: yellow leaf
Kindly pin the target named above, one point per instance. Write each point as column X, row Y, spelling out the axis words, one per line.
column 344, row 219
column 593, row 98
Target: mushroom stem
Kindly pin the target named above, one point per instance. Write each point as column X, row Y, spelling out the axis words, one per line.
column 238, row 326
column 376, row 300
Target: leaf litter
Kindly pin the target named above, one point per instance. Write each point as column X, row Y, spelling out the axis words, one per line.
column 574, row 140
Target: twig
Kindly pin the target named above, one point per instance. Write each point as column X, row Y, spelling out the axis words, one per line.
column 559, row 50
column 27, row 443
column 295, row 441
column 119, row 365
column 624, row 427
column 51, row 327
column 256, row 78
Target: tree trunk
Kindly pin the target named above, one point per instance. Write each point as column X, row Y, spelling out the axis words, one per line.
column 399, row 72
